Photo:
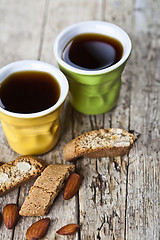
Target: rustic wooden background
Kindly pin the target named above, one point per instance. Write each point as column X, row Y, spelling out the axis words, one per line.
column 119, row 198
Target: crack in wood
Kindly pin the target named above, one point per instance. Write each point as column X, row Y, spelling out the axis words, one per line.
column 126, row 199
column 44, row 21
column 109, row 221
column 100, row 228
column 135, row 133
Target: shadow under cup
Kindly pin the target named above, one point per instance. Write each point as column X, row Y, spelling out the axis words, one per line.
column 93, row 91
column 34, row 133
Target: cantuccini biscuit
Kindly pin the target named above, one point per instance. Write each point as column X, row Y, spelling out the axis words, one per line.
column 111, row 142
column 19, row 171
column 45, row 189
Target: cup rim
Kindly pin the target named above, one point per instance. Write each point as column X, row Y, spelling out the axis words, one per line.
column 68, row 29
column 36, row 65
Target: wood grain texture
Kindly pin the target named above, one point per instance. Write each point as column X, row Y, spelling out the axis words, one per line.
column 17, row 42
column 119, row 198
column 143, row 205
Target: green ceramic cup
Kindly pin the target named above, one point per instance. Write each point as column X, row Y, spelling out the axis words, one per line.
column 93, row 92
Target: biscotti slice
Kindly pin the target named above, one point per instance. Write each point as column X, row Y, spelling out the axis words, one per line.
column 45, row 189
column 111, row 142
column 19, row 171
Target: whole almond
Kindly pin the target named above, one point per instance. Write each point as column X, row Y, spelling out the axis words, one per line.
column 68, row 229
column 72, row 186
column 38, row 229
column 10, row 215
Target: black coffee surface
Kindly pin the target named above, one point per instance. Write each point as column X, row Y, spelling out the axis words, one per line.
column 29, row 92
column 92, row 51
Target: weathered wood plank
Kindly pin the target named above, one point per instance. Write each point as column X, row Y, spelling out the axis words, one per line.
column 143, row 209
column 20, row 25
column 59, row 15
column 103, row 213
column 20, row 32
column 120, row 117
column 119, row 198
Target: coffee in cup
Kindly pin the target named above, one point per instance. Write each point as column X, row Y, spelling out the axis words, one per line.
column 92, row 51
column 29, row 92
column 82, row 52
column 32, row 95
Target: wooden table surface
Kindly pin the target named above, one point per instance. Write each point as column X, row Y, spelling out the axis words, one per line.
column 119, row 197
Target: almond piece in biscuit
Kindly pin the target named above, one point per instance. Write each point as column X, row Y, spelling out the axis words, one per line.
column 19, row 171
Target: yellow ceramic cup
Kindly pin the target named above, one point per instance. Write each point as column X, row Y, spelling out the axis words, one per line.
column 34, row 133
